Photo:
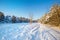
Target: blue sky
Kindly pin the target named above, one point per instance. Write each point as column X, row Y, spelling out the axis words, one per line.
column 25, row 7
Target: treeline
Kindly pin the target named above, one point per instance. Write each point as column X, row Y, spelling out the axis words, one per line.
column 12, row 19
column 52, row 17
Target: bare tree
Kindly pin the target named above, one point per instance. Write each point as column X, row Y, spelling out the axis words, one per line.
column 31, row 17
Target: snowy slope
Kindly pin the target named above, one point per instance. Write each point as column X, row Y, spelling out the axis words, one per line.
column 33, row 31
column 48, row 33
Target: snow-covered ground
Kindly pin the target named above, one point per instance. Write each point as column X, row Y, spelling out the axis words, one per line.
column 33, row 31
column 48, row 33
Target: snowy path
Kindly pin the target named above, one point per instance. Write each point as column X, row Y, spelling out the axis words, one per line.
column 33, row 31
column 49, row 33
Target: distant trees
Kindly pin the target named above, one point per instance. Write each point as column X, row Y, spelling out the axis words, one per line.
column 1, row 16
column 13, row 19
column 22, row 19
column 7, row 19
